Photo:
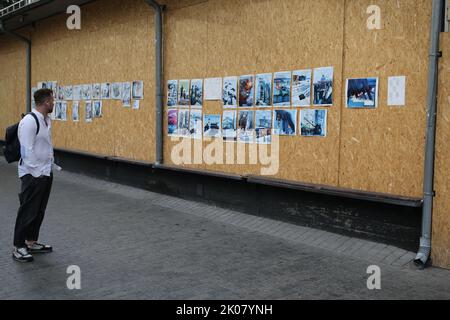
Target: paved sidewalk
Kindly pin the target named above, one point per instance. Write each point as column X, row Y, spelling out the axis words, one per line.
column 133, row 244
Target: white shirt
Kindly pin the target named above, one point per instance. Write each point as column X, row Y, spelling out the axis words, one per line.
column 36, row 150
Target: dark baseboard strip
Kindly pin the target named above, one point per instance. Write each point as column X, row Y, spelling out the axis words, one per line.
column 339, row 192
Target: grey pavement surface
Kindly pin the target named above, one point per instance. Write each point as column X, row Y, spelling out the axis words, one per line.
column 134, row 244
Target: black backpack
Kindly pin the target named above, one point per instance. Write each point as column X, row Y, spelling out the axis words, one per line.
column 11, row 150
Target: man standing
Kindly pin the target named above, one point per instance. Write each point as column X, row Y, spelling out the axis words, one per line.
column 35, row 172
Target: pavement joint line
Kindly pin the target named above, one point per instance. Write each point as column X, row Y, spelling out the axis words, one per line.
column 355, row 245
column 259, row 223
column 391, row 257
column 315, row 235
column 340, row 241
column 403, row 257
column 276, row 230
column 265, row 228
column 331, row 244
column 301, row 235
column 326, row 237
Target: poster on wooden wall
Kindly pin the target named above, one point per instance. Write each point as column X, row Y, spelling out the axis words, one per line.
column 301, row 88
column 282, row 89
column 284, row 122
column 263, row 90
column 323, row 86
column 229, row 92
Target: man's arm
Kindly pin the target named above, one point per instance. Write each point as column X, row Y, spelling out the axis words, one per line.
column 27, row 137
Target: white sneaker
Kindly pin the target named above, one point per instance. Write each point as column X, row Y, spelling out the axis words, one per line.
column 22, row 255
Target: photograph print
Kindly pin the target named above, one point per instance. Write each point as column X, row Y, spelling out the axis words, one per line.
column 263, row 90
column 183, row 93
column 313, row 123
column 68, row 93
column 183, row 123
column 86, row 91
column 196, row 93
column 96, row 91
column 76, row 111
column 59, row 94
column 116, row 91
column 246, row 126
column 172, row 121
column 285, row 122
column 196, row 124
column 172, row 93
column 362, row 93
column 77, row 93
column 263, row 126
column 323, row 86
column 137, row 90
column 229, row 125
column 63, row 110
column 57, row 109
column 88, row 111
column 282, row 89
column 246, row 91
column 97, row 109
column 126, row 94
column 106, row 91
column 211, row 125
column 229, row 95
column 301, row 88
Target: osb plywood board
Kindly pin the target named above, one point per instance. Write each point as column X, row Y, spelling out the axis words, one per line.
column 251, row 37
column 113, row 46
column 12, row 82
column 441, row 213
column 382, row 150
column 185, row 40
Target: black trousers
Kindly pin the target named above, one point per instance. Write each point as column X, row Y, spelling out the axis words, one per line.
column 33, row 197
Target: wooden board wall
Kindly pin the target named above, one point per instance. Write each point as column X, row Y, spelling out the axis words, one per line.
column 231, row 38
column 112, row 46
column 373, row 150
column 441, row 212
column 383, row 150
column 12, row 82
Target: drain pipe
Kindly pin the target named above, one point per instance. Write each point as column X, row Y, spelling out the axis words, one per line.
column 425, row 241
column 28, row 63
column 159, row 79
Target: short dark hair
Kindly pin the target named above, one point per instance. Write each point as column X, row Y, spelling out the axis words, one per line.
column 42, row 94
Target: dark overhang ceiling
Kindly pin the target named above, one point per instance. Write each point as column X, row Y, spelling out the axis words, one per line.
column 39, row 10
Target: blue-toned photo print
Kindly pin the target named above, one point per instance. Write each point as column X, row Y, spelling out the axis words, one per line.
column 246, row 126
column 282, row 89
column 211, row 125
column 195, row 124
column 362, row 93
column 229, row 95
column 323, row 86
column 284, row 122
column 263, row 126
column 313, row 123
column 196, row 94
column 183, row 123
column 264, row 90
column 229, row 125
column 183, row 93
column 172, row 93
